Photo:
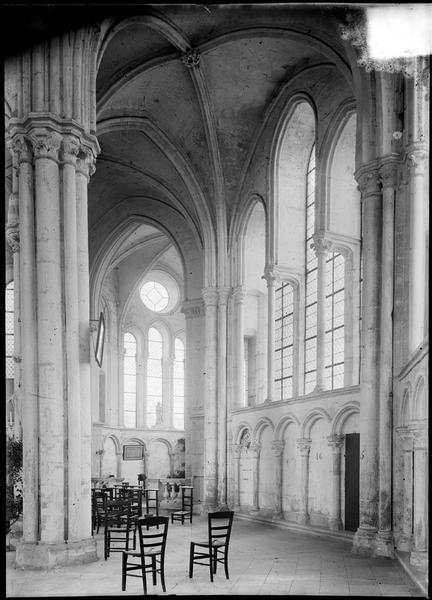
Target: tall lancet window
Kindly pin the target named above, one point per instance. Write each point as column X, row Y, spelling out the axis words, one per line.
column 9, row 330
column 311, row 274
column 154, row 376
column 129, row 379
column 335, row 313
column 284, row 341
column 178, row 385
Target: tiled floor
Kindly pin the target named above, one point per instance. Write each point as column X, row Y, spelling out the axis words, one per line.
column 263, row 560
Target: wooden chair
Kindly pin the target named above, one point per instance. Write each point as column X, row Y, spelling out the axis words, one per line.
column 98, row 513
column 219, row 532
column 152, row 502
column 119, row 525
column 152, row 543
column 187, row 505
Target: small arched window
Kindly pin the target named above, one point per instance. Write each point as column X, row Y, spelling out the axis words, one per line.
column 154, row 376
column 311, row 276
column 129, row 379
column 335, row 317
column 9, row 330
column 178, row 385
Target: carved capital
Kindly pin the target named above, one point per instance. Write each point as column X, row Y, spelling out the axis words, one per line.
column 239, row 294
column 193, row 308
column 12, row 215
column 278, row 447
column 255, row 449
column 416, row 161
column 21, row 148
column 304, row 445
column 191, row 58
column 46, row 144
column 420, row 439
column 389, row 174
column 210, row 297
column 335, row 442
column 13, row 238
column 236, row 450
column 270, row 276
column 70, row 149
column 223, row 293
column 321, row 245
column 368, row 182
column 86, row 162
column 17, row 358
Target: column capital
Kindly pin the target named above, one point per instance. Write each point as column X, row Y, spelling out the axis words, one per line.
column 191, row 58
column 13, row 238
column 20, row 146
column 304, row 445
column 368, row 179
column 239, row 294
column 270, row 275
column 406, row 436
column 321, row 245
column 12, row 225
column 86, row 161
column 46, row 143
column 236, row 450
column 278, row 447
column 210, row 297
column 193, row 308
column 420, row 437
column 416, row 159
column 70, row 148
column 335, row 442
column 255, row 449
column 223, row 293
column 389, row 172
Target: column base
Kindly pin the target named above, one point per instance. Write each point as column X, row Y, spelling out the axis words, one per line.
column 384, row 545
column 405, row 543
column 335, row 524
column 277, row 516
column 303, row 519
column 268, row 400
column 419, row 559
column 48, row 556
column 364, row 541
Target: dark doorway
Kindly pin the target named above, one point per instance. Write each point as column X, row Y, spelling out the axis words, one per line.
column 352, row 481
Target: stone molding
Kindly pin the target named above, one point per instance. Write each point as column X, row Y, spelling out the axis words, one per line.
column 191, row 58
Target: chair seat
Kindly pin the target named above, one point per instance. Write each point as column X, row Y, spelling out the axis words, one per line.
column 215, row 544
column 149, row 552
column 181, row 512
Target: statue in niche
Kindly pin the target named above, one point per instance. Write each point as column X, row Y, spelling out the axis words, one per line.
column 159, row 414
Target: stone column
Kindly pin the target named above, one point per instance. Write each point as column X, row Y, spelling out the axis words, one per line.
column 405, row 540
column 254, row 453
column 304, row 444
column 168, row 404
column 278, row 448
column 210, row 296
column 239, row 298
column 69, row 152
column 321, row 247
column 22, row 150
column 385, row 541
column 85, row 169
column 270, row 278
column 417, row 170
column 50, row 345
column 236, row 453
column 335, row 442
column 223, row 293
column 419, row 553
column 364, row 539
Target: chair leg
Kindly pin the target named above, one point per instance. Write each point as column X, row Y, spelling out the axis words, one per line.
column 154, row 569
column 226, row 563
column 144, row 575
column 191, row 553
column 211, row 564
column 215, row 560
column 124, row 561
column 162, row 573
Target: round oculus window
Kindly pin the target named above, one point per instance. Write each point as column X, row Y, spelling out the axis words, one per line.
column 154, row 295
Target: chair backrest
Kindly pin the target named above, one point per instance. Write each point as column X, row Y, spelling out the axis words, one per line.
column 150, row 536
column 118, row 513
column 219, row 527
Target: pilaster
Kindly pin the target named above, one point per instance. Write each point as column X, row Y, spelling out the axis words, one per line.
column 236, row 453
column 335, row 442
column 278, row 448
column 304, row 445
column 405, row 540
column 223, row 293
column 254, row 453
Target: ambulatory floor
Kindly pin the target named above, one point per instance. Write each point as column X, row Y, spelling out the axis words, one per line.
column 263, row 559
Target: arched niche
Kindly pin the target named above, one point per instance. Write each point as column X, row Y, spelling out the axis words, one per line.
column 420, row 401
column 109, row 457
column 297, row 137
column 343, row 196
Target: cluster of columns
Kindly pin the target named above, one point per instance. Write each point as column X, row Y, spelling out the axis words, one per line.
column 53, row 162
column 335, row 443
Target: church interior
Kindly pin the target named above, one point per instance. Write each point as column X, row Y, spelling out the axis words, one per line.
column 217, row 246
